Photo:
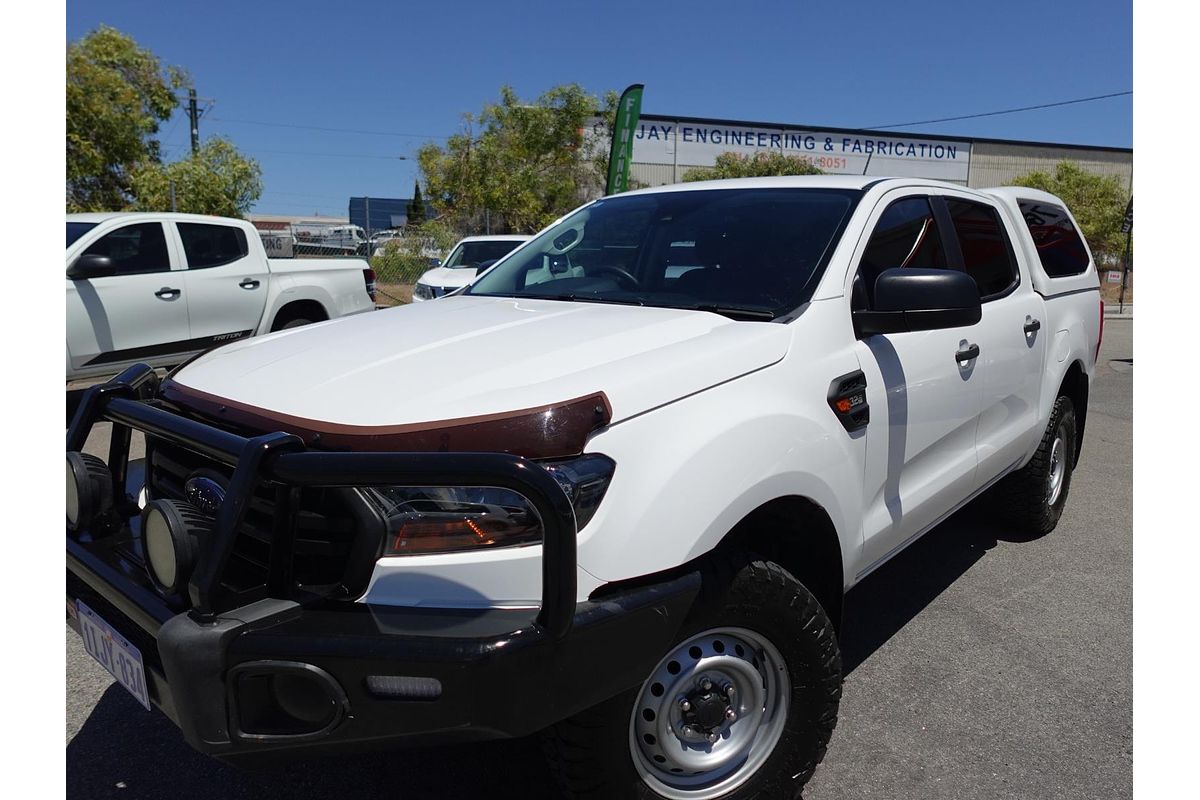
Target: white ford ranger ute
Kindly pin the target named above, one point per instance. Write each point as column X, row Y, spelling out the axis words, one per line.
column 613, row 491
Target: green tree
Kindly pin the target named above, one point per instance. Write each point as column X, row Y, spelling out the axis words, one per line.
column 216, row 180
column 1097, row 201
column 734, row 165
column 416, row 206
column 519, row 165
column 117, row 96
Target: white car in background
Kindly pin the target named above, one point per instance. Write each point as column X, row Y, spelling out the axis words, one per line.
column 462, row 265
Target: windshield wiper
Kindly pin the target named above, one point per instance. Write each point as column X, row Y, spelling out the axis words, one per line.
column 572, row 298
column 735, row 312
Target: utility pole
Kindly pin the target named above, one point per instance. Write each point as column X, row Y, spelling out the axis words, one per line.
column 194, row 116
column 172, row 195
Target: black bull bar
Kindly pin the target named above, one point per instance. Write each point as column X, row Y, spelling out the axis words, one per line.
column 128, row 401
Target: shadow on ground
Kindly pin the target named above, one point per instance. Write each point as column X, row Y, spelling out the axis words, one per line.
column 124, row 751
column 889, row 598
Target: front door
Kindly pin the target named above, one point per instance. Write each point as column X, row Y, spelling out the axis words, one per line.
column 138, row 314
column 922, row 386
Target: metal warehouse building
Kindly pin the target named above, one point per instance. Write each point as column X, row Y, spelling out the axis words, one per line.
column 666, row 147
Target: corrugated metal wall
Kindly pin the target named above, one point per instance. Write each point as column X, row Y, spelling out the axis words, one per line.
column 994, row 164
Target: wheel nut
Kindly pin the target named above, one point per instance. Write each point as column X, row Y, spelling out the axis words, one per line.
column 729, row 690
column 706, row 684
column 730, row 714
column 712, row 737
column 684, row 705
column 687, row 730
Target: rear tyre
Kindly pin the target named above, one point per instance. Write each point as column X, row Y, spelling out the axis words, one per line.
column 294, row 323
column 1033, row 497
column 741, row 706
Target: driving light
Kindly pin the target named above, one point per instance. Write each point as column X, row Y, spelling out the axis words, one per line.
column 172, row 533
column 424, row 520
column 89, row 489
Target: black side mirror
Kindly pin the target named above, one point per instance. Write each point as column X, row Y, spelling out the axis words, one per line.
column 483, row 265
column 912, row 299
column 90, row 265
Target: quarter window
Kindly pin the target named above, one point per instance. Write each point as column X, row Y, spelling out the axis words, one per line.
column 135, row 249
column 212, row 245
column 1059, row 246
column 987, row 253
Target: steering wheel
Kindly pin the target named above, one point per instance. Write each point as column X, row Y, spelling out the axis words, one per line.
column 625, row 279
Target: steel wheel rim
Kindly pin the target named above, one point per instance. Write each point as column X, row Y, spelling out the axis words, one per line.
column 690, row 766
column 1058, row 469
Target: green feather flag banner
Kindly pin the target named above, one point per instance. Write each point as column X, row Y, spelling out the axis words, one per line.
column 628, row 111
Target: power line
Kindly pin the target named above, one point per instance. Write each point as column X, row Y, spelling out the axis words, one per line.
column 308, row 153
column 328, row 130
column 1006, row 111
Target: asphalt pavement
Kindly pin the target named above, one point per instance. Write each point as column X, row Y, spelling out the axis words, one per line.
column 979, row 665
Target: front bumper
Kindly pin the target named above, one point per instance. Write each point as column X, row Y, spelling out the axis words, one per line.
column 470, row 675
column 393, row 675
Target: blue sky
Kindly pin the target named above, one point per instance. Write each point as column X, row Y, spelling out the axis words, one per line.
column 405, row 72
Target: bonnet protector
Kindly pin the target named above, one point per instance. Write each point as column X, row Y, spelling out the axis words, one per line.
column 557, row 430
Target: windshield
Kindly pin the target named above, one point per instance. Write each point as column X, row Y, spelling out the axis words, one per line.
column 747, row 253
column 77, row 229
column 472, row 254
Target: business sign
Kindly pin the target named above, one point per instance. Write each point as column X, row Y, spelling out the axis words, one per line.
column 697, row 144
column 1113, row 276
column 278, row 244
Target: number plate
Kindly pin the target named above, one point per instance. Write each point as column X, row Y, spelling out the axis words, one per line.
column 114, row 652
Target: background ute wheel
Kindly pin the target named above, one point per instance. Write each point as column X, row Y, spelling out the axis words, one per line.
column 742, row 705
column 295, row 323
column 1033, row 497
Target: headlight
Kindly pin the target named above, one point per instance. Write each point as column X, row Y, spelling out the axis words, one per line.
column 89, row 489
column 172, row 533
column 447, row 520
column 425, row 520
column 422, row 292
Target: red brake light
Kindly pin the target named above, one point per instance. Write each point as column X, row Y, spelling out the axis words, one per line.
column 369, row 280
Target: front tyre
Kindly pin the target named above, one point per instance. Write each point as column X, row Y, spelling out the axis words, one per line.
column 743, row 705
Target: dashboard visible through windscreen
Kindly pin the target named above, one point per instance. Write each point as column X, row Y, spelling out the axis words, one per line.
column 746, row 253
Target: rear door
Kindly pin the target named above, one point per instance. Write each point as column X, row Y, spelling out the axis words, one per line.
column 226, row 281
column 924, row 391
column 138, row 314
column 1011, row 335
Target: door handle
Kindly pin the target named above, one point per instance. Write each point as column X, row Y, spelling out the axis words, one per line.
column 248, row 283
column 968, row 353
column 1032, row 325
column 167, row 293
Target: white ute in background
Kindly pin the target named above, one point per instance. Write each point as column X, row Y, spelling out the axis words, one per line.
column 159, row 288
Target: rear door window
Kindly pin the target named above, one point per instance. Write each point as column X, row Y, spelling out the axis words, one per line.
column 212, row 245
column 987, row 253
column 135, row 249
column 1060, row 248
